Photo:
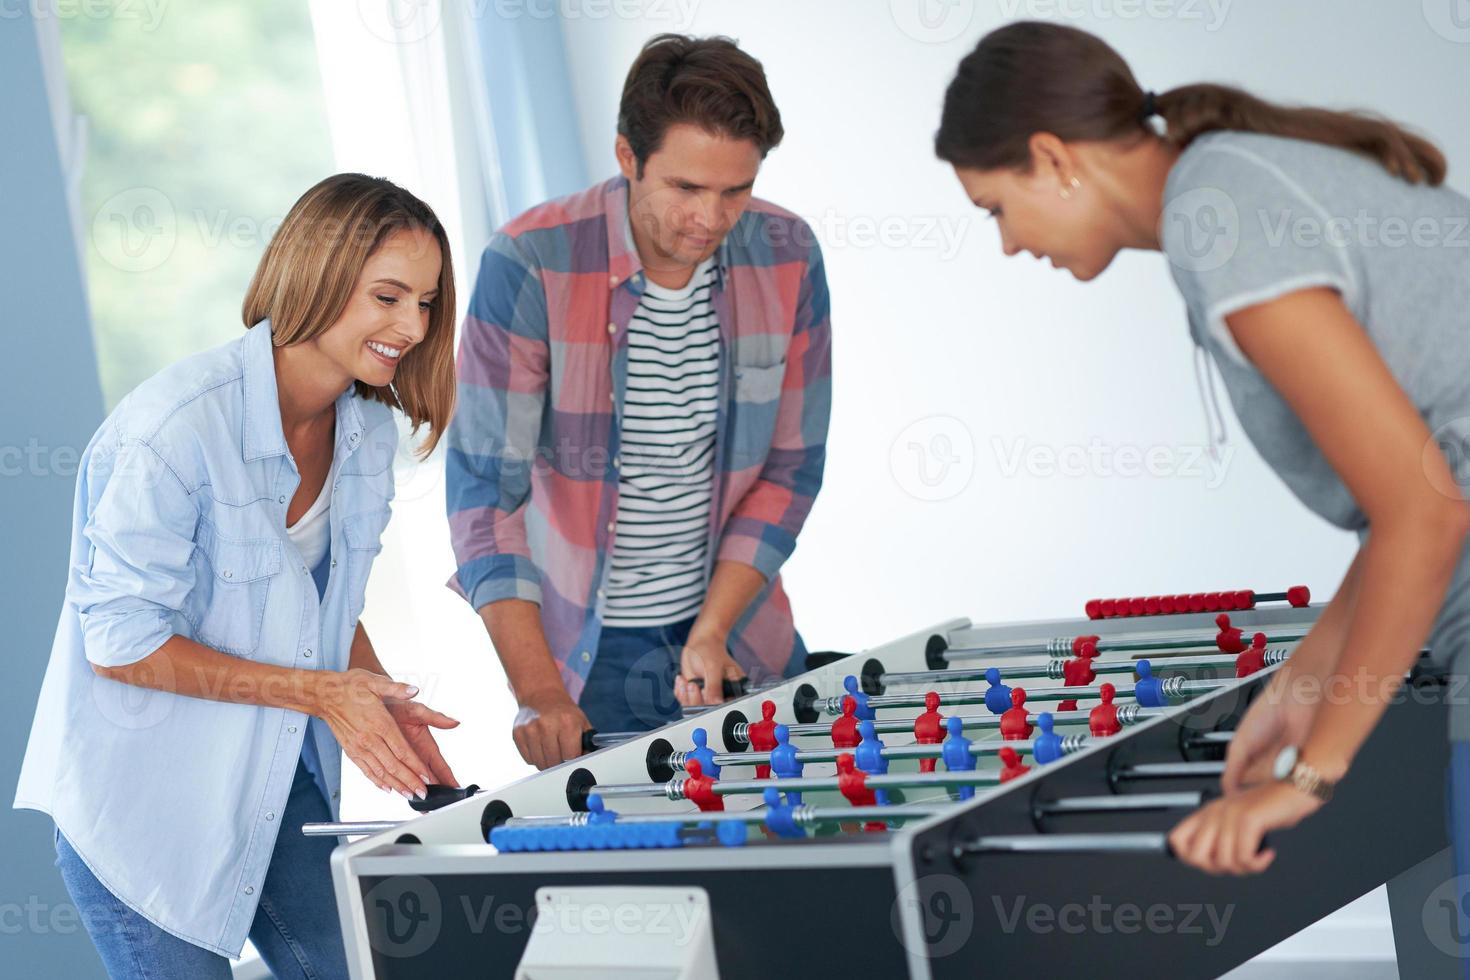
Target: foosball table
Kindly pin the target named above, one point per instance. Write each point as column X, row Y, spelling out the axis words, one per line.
column 961, row 801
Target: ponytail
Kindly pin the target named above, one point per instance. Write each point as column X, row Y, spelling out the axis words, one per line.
column 1030, row 77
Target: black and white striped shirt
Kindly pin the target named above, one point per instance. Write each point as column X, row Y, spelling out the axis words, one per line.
column 666, row 476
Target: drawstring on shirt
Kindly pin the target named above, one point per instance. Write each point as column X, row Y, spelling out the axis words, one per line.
column 1204, row 379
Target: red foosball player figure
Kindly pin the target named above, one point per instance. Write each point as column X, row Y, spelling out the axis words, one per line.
column 1013, row 723
column 699, row 789
column 1078, row 671
column 1010, row 761
column 1103, row 720
column 762, row 737
column 929, row 729
column 1252, row 660
column 1229, row 638
column 844, row 730
column 852, row 783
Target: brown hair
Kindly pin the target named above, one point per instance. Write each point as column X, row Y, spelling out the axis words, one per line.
column 708, row 82
column 1030, row 77
column 312, row 265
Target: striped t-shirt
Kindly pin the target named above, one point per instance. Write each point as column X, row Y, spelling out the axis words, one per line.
column 666, row 476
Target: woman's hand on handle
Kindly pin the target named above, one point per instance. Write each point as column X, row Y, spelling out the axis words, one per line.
column 414, row 721
column 1274, row 721
column 354, row 704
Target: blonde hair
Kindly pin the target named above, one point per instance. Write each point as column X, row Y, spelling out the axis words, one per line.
column 312, row 264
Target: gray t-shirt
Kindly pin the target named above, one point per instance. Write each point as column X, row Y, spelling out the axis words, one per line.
column 1248, row 218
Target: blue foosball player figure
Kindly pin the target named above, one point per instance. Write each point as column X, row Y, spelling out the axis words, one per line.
column 784, row 763
column 956, row 752
column 998, row 695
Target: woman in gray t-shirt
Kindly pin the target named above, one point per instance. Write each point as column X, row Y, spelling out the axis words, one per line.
column 1327, row 273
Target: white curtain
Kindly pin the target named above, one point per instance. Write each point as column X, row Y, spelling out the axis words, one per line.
column 405, row 100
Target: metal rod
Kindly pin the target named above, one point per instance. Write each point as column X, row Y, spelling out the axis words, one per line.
column 1128, row 714
column 1053, row 668
column 348, row 828
column 1173, row 687
column 1070, row 744
column 1117, row 804
column 816, row 784
column 602, row 740
column 804, row 814
column 629, row 790
column 1173, row 770
column 1130, row 843
column 1201, row 638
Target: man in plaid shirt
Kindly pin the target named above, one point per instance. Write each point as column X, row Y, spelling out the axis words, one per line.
column 644, row 390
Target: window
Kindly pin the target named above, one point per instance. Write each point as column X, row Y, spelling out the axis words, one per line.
column 206, row 122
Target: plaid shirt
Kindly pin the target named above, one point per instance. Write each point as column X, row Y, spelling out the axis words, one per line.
column 532, row 463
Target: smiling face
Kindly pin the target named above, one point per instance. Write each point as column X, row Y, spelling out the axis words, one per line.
column 1075, row 232
column 387, row 313
column 690, row 193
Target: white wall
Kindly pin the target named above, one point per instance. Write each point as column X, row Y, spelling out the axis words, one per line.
column 1018, row 353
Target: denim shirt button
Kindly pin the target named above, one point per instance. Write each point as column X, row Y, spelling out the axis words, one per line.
column 270, row 815
column 306, row 653
column 280, row 500
column 586, row 656
column 228, row 574
column 250, row 889
column 292, row 729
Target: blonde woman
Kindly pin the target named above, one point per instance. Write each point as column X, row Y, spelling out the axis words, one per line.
column 209, row 664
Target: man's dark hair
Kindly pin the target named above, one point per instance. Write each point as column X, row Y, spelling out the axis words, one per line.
column 703, row 81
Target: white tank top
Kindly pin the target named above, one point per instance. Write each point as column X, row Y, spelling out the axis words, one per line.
column 312, row 532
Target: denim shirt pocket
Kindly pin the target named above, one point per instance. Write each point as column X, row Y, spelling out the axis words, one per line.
column 757, row 397
column 364, row 535
column 227, row 604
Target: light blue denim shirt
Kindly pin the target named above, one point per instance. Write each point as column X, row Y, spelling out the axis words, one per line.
column 179, row 527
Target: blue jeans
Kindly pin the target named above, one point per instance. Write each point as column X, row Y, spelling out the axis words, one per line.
column 296, row 927
column 1451, row 931
column 631, row 685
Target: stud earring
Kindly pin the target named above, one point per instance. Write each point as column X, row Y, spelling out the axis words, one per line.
column 1067, row 193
